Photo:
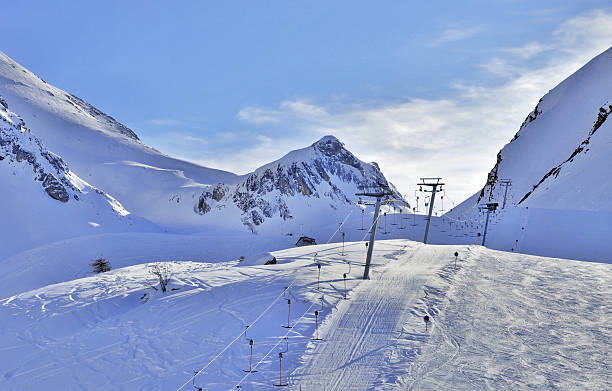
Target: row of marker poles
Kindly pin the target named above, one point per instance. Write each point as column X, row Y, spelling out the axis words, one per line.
column 316, row 338
column 280, row 354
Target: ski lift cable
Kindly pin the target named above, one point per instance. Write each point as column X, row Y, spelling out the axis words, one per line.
column 237, row 337
column 280, row 340
column 464, row 214
column 371, row 226
column 339, row 227
column 260, row 315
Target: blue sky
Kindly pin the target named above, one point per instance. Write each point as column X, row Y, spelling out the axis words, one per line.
column 423, row 88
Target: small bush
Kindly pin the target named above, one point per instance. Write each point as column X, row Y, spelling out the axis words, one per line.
column 162, row 273
column 100, row 265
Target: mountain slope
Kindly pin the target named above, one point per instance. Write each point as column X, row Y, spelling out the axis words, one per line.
column 42, row 200
column 568, row 125
column 310, row 186
column 558, row 164
column 101, row 150
column 300, row 192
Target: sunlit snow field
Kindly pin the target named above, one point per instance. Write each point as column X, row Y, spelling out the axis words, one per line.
column 498, row 321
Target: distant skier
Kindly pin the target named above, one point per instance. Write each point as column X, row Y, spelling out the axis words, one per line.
column 426, row 319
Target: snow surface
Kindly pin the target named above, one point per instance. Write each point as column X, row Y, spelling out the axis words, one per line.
column 499, row 320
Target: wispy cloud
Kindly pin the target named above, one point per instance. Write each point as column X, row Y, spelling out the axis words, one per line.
column 455, row 34
column 455, row 137
column 165, row 122
column 258, row 115
column 529, row 50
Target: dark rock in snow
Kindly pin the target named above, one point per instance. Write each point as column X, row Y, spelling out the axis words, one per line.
column 55, row 189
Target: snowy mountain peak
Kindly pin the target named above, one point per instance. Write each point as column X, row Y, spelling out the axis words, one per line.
column 331, row 147
column 301, row 185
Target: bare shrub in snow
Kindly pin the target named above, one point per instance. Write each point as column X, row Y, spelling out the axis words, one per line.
column 162, row 272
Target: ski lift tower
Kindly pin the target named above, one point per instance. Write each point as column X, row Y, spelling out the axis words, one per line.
column 433, row 183
column 491, row 207
column 377, row 192
column 506, row 183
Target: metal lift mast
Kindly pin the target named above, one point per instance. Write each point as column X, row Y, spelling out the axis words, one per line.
column 378, row 193
column 433, row 183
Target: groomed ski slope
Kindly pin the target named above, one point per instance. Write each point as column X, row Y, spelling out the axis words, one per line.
column 499, row 321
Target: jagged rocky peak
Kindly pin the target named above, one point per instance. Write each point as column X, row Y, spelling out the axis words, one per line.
column 325, row 172
column 331, row 147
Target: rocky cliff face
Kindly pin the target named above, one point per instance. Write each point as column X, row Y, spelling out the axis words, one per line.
column 326, row 173
column 18, row 146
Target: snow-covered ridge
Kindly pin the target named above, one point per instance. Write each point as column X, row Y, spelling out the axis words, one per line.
column 305, row 189
column 325, row 172
column 553, row 177
column 23, row 82
column 561, row 128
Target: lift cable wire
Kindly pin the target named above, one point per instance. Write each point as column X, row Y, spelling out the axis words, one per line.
column 262, row 313
column 280, row 339
column 237, row 337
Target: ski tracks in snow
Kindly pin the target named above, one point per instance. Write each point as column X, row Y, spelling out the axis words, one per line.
column 367, row 340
